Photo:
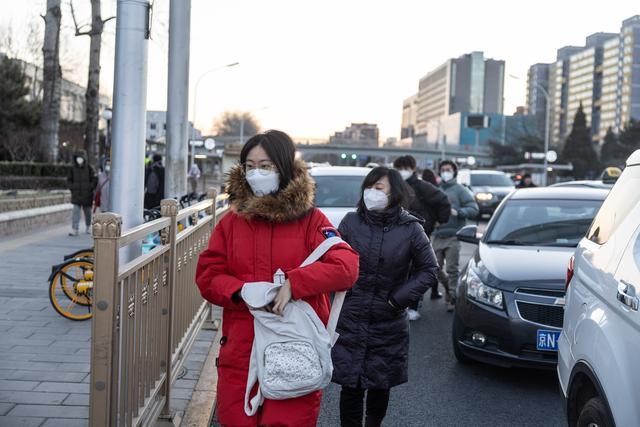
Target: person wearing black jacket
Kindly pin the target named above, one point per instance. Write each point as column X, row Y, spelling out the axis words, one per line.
column 397, row 265
column 428, row 202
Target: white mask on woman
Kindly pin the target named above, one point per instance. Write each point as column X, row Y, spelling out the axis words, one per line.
column 405, row 174
column 375, row 200
column 446, row 176
column 263, row 183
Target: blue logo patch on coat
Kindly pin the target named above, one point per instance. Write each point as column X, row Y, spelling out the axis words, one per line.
column 329, row 232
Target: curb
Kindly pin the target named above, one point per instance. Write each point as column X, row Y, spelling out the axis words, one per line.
column 199, row 412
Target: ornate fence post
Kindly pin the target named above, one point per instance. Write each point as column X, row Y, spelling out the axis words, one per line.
column 169, row 208
column 212, row 194
column 107, row 229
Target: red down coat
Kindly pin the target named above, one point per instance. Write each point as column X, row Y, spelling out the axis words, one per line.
column 260, row 235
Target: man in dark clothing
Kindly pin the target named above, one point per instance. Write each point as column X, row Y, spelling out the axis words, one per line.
column 526, row 182
column 154, row 183
column 427, row 201
column 82, row 181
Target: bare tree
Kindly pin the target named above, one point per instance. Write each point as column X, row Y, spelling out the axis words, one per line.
column 230, row 124
column 92, row 95
column 52, row 79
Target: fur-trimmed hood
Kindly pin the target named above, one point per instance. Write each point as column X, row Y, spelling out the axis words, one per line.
column 291, row 203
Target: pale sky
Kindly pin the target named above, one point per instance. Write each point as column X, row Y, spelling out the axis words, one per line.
column 318, row 66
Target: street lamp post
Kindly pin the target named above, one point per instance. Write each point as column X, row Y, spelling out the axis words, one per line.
column 546, row 129
column 195, row 98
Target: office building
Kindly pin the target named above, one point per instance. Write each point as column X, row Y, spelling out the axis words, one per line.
column 468, row 84
column 357, row 134
column 537, row 92
column 409, row 117
column 157, row 127
column 72, row 95
column 603, row 76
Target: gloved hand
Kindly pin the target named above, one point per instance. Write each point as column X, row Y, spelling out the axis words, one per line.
column 259, row 295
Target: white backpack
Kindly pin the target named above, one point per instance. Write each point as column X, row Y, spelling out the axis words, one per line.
column 291, row 354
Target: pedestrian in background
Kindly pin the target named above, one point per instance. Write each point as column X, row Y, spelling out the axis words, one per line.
column 429, row 176
column 526, row 182
column 82, row 182
column 427, row 201
column 193, row 177
column 102, row 192
column 272, row 224
column 154, row 183
column 445, row 243
column 397, row 265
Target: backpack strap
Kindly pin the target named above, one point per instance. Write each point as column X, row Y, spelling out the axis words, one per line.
column 338, row 298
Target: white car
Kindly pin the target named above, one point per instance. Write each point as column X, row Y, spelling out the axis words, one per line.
column 599, row 347
column 338, row 190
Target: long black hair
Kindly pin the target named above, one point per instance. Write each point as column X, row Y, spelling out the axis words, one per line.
column 279, row 147
column 399, row 192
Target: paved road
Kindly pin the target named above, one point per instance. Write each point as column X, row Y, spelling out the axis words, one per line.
column 442, row 392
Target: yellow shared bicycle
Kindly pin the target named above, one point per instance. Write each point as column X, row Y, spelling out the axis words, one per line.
column 71, row 286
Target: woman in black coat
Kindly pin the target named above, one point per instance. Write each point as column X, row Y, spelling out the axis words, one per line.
column 397, row 265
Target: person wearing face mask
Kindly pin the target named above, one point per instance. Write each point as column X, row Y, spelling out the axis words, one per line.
column 82, row 182
column 272, row 225
column 445, row 243
column 397, row 266
column 427, row 201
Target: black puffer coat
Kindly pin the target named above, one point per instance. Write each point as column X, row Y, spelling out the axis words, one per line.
column 373, row 349
column 82, row 181
column 428, row 201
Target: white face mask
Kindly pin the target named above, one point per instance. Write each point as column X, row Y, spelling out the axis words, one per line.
column 446, row 176
column 405, row 174
column 263, row 183
column 80, row 161
column 107, row 169
column 375, row 200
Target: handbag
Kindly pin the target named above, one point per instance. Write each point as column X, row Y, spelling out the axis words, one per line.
column 291, row 354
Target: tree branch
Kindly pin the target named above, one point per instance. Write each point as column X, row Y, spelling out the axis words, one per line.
column 79, row 31
column 108, row 19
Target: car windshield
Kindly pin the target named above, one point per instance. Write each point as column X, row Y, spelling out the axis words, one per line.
column 543, row 222
column 490, row 180
column 337, row 191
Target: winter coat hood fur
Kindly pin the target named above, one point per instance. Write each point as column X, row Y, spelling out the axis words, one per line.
column 290, row 203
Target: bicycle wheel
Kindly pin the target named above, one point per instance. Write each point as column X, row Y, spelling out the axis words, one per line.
column 71, row 273
column 71, row 288
column 83, row 253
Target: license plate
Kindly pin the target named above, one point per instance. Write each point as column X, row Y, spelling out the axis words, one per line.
column 547, row 340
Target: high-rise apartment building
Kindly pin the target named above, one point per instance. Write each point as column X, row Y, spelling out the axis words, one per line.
column 603, row 76
column 537, row 88
column 468, row 84
column 409, row 117
column 629, row 63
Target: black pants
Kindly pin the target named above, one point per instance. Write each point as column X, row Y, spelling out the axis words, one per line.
column 352, row 406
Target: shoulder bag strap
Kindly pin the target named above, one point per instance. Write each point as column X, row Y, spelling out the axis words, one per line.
column 338, row 298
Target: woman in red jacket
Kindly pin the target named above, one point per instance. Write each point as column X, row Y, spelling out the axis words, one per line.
column 272, row 224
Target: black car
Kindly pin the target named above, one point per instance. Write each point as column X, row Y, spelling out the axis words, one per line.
column 510, row 298
column 489, row 188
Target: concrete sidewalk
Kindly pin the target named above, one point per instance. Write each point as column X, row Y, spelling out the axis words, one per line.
column 44, row 358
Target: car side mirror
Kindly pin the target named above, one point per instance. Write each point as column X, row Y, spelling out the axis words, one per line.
column 468, row 234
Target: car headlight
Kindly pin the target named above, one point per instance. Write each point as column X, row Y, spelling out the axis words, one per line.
column 485, row 197
column 481, row 292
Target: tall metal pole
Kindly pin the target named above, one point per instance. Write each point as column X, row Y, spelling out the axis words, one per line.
column 241, row 129
column 546, row 139
column 129, row 114
column 178, row 99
